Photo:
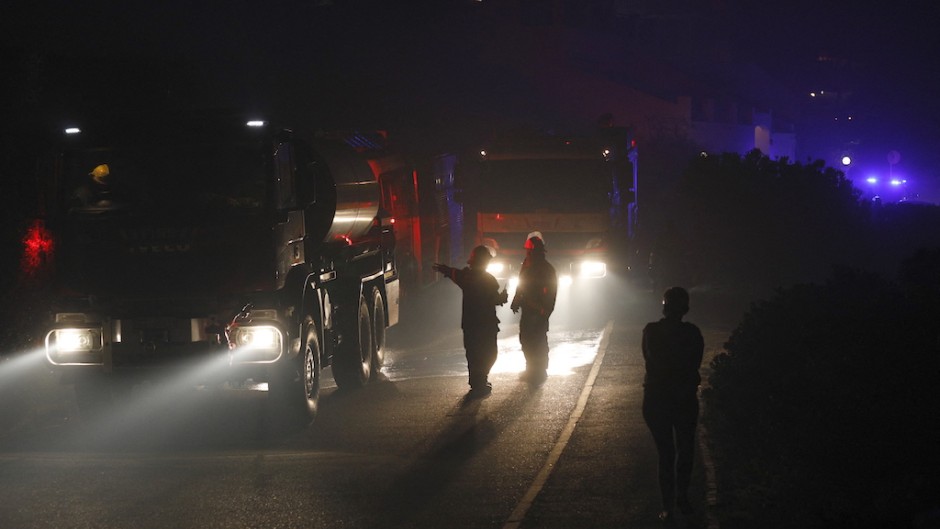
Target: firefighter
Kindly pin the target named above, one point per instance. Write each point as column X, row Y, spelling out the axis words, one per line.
column 535, row 296
column 480, row 325
column 96, row 192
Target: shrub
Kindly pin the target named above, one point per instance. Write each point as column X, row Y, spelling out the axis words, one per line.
column 761, row 222
column 830, row 390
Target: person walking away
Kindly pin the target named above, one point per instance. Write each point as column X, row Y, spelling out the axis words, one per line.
column 535, row 296
column 480, row 325
column 672, row 350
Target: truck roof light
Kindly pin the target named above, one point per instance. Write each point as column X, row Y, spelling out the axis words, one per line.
column 73, row 130
column 255, row 123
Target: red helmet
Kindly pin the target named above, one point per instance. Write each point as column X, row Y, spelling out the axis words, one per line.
column 535, row 243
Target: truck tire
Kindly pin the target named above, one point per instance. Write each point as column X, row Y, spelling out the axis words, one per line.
column 378, row 332
column 295, row 387
column 352, row 367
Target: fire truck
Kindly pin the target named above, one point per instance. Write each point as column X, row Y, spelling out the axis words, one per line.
column 418, row 193
column 576, row 192
column 224, row 246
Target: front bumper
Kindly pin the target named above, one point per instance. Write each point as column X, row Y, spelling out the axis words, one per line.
column 78, row 339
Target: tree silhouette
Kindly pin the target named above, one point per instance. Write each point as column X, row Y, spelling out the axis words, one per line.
column 756, row 222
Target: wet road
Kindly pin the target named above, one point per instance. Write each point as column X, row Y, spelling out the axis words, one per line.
column 406, row 451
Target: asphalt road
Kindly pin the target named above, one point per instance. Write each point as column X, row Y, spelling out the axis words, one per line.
column 406, row 451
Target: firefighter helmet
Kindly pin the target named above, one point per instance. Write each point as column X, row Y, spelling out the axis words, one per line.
column 480, row 256
column 100, row 173
column 535, row 242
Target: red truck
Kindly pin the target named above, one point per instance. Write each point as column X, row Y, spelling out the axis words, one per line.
column 577, row 192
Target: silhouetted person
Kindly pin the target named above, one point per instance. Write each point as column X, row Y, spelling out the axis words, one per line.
column 535, row 296
column 673, row 352
column 480, row 325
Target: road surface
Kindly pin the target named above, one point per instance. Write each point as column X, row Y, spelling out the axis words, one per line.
column 406, row 451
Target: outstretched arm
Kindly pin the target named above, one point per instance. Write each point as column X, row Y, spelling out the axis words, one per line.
column 448, row 271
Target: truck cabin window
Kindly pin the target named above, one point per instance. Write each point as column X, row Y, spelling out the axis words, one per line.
column 224, row 178
column 558, row 185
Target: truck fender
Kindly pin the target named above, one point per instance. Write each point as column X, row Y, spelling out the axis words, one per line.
column 317, row 312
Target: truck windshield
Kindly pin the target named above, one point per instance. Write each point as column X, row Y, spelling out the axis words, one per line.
column 557, row 185
column 174, row 176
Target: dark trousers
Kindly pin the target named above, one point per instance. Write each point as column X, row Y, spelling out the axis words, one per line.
column 481, row 355
column 533, row 336
column 672, row 421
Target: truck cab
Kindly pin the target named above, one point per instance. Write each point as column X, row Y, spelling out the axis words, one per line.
column 569, row 190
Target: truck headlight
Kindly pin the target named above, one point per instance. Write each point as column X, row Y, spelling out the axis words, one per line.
column 74, row 340
column 594, row 269
column 498, row 269
column 75, row 346
column 257, row 343
column 258, row 337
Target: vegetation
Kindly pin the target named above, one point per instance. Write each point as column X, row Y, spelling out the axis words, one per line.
column 754, row 222
column 826, row 397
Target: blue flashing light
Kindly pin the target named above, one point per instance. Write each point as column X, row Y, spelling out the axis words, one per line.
column 871, row 180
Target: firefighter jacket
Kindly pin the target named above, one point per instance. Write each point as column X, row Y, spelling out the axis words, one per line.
column 538, row 287
column 480, row 296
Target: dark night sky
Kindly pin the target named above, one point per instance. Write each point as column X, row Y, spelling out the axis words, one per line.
column 354, row 64
column 360, row 63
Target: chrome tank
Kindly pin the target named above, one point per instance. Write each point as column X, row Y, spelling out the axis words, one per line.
column 357, row 191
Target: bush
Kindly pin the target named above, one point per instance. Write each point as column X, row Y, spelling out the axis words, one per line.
column 760, row 222
column 829, row 390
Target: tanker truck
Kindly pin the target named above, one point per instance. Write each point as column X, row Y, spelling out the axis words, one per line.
column 418, row 192
column 231, row 250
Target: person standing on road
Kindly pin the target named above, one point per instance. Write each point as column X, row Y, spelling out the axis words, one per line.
column 535, row 295
column 480, row 325
column 673, row 352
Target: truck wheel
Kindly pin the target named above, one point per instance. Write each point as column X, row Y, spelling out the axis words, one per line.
column 296, row 386
column 352, row 367
column 378, row 333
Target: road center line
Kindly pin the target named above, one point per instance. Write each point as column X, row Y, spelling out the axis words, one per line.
column 518, row 514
